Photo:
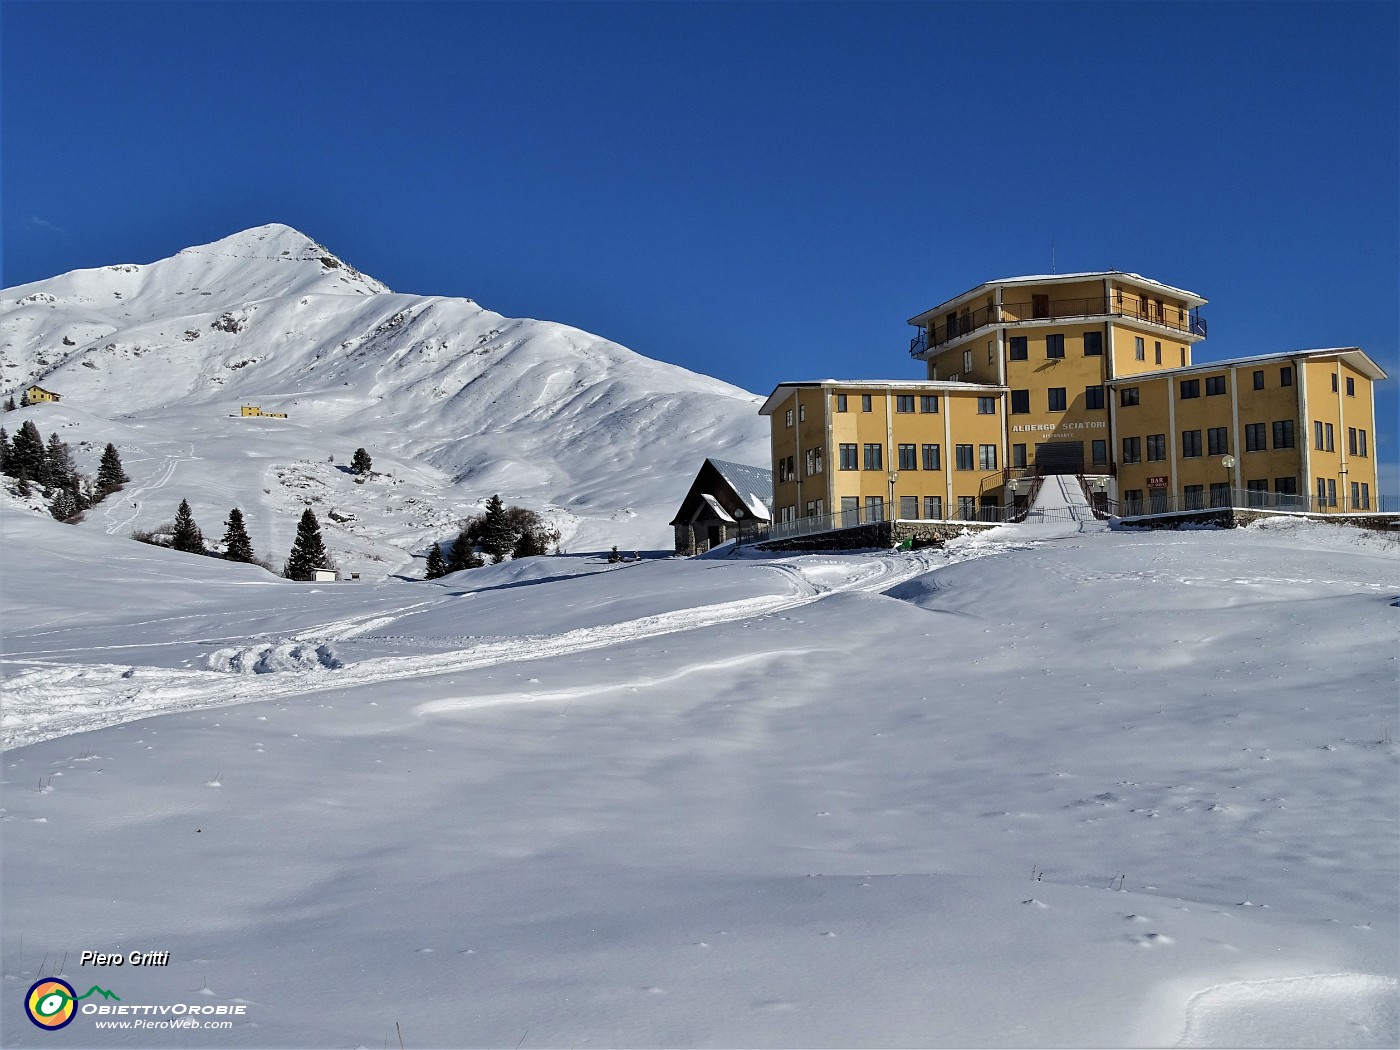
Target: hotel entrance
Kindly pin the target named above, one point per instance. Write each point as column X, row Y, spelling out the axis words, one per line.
column 1059, row 457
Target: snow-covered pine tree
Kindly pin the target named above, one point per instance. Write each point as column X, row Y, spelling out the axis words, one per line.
column 62, row 506
column 10, row 403
column 437, row 564
column 24, row 401
column 60, row 462
column 497, row 534
column 27, row 453
column 237, row 545
column 110, row 475
column 360, row 463
column 463, row 554
column 4, row 450
column 308, row 550
column 187, row 536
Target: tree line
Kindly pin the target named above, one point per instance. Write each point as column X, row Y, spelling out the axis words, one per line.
column 308, row 551
column 48, row 466
column 498, row 532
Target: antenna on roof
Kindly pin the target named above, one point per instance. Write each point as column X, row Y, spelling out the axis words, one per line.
column 1052, row 256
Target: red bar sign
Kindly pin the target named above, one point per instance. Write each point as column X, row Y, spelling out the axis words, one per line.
column 1157, row 481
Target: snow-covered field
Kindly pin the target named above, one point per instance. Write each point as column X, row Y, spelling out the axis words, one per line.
column 1051, row 786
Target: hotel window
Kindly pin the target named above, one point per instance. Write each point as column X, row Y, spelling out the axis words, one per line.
column 785, row 469
column 789, row 417
column 1183, row 357
column 1285, row 375
column 1156, row 447
column 1327, row 431
column 987, row 457
column 1218, row 441
column 1156, row 352
column 1215, row 385
column 1365, row 503
column 1020, row 402
column 840, row 402
column 1258, row 491
column 1093, row 344
column 1190, row 388
column 1317, row 434
column 967, row 508
column 933, row 507
column 1128, row 396
column 1355, row 495
column 874, row 508
column 1132, row 450
column 1351, row 387
column 1351, row 440
column 1283, row 433
column 967, row 360
column 874, row 457
column 1190, row 444
column 1334, row 382
column 1219, row 493
column 1132, row 501
column 1259, row 380
column 963, row 454
column 1361, row 442
column 904, row 403
column 1055, row 345
column 986, row 406
column 1255, row 439
column 814, row 461
column 909, row 507
column 991, row 352
column 1331, row 492
column 1286, row 486
column 1100, row 451
column 1139, row 348
column 933, row 459
column 1195, row 497
column 848, row 457
column 928, row 403
column 850, row 510
column 865, row 402
column 908, row 457
column 1016, row 350
column 1018, row 455
column 801, row 413
column 1057, row 399
column 1093, row 397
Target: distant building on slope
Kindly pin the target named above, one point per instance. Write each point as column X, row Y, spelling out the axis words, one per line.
column 35, row 394
column 723, row 496
column 255, row 410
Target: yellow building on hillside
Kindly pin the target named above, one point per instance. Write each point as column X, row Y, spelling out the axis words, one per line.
column 1088, row 374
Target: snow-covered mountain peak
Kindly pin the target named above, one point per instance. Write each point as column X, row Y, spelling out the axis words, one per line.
column 283, row 246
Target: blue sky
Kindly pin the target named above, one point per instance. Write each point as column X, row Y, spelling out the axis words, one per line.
column 762, row 192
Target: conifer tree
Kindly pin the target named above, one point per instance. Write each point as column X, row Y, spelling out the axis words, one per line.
column 308, row 551
column 62, row 506
column 4, row 450
column 23, row 487
column 24, row 401
column 360, row 463
column 187, row 536
column 437, row 564
column 27, row 453
column 110, row 475
column 10, row 403
column 497, row 535
column 59, row 460
column 237, row 545
column 464, row 555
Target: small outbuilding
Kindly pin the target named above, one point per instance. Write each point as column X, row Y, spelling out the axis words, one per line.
column 723, row 497
column 324, row 576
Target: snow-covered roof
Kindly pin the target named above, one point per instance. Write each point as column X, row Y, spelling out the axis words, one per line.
column 1352, row 355
column 1136, row 279
column 914, row 386
column 713, row 504
column 750, row 484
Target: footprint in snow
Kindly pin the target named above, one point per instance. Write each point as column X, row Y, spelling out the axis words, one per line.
column 1150, row 940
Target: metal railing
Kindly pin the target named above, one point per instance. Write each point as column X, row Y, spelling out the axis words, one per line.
column 985, row 514
column 955, row 327
column 1161, row 502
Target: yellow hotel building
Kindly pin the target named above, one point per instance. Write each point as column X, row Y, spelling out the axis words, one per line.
column 1088, row 374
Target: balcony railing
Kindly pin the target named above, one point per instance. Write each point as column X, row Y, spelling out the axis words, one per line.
column 1160, row 502
column 1170, row 317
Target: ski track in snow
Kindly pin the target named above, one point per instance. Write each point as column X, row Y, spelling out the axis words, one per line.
column 52, row 699
column 137, row 496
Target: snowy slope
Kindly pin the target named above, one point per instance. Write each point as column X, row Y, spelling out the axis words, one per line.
column 453, row 401
column 1052, row 786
